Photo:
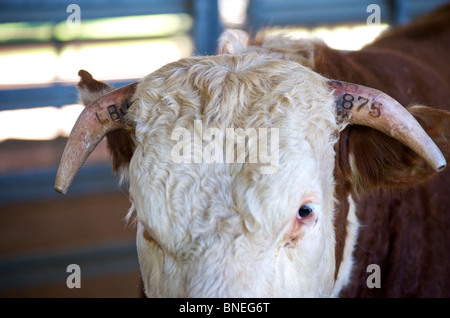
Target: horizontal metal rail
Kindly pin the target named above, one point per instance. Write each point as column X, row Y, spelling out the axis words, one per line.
column 50, row 267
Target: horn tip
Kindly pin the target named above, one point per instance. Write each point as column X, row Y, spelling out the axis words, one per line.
column 441, row 167
column 439, row 162
column 60, row 189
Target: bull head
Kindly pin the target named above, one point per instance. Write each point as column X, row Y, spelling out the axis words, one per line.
column 225, row 229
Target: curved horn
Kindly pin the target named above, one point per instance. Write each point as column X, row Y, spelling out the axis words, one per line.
column 366, row 106
column 95, row 121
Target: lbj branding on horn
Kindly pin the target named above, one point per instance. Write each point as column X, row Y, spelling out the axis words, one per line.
column 96, row 120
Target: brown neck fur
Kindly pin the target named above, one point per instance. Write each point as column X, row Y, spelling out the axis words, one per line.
column 403, row 222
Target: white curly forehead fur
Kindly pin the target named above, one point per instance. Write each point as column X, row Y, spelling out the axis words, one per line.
column 219, row 229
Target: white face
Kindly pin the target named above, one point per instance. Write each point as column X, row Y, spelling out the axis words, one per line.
column 233, row 229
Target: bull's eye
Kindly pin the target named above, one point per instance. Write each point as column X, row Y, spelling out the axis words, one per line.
column 305, row 211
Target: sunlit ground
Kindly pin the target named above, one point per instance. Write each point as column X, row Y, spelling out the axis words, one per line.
column 44, row 64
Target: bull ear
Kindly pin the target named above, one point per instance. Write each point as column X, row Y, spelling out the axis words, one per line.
column 232, row 42
column 90, row 89
column 377, row 160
